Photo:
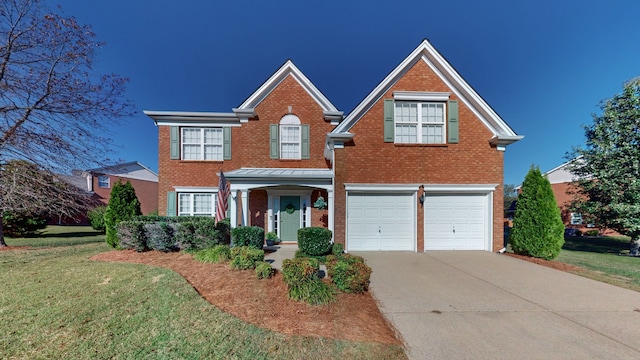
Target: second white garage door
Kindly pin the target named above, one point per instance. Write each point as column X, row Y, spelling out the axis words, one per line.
column 381, row 222
column 456, row 222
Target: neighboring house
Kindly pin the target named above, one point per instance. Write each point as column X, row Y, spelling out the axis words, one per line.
column 145, row 182
column 417, row 165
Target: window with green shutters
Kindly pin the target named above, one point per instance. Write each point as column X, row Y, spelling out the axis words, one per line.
column 410, row 122
column 190, row 143
column 289, row 140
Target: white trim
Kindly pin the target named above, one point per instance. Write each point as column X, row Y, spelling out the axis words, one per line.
column 420, row 96
column 459, row 188
column 195, row 189
column 382, row 188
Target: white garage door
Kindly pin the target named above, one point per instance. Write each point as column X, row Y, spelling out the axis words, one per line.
column 456, row 222
column 380, row 222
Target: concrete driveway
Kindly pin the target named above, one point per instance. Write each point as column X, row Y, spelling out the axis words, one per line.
column 481, row 305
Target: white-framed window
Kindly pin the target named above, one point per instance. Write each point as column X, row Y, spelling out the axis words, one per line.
column 197, row 204
column 104, row 182
column 202, row 143
column 576, row 218
column 420, row 122
column 290, row 137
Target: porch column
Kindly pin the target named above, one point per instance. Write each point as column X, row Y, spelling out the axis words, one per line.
column 233, row 205
column 244, row 215
column 331, row 211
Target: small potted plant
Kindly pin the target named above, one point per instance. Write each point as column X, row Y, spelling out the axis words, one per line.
column 272, row 239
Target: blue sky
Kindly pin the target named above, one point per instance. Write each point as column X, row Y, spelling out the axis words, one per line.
column 543, row 65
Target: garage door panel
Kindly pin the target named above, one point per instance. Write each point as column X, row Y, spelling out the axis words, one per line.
column 456, row 222
column 380, row 222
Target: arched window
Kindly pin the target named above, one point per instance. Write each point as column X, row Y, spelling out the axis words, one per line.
column 290, row 137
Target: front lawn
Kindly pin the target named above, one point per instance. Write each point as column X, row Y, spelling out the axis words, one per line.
column 56, row 303
column 601, row 260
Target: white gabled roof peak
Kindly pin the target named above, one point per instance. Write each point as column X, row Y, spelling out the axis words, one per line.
column 441, row 67
column 288, row 69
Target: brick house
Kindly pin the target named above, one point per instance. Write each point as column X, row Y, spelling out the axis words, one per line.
column 417, row 165
column 100, row 181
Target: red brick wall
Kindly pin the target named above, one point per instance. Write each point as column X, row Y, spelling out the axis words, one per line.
column 368, row 159
column 250, row 144
column 146, row 191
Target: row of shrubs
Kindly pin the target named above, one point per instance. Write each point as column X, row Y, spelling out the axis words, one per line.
column 188, row 233
column 241, row 258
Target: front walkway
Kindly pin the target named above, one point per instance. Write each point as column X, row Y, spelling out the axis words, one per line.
column 481, row 305
column 275, row 254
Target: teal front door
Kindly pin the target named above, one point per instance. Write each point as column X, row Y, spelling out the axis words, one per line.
column 289, row 218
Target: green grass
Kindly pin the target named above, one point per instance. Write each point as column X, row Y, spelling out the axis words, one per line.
column 600, row 258
column 56, row 303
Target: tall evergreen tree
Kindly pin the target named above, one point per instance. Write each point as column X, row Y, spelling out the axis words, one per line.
column 538, row 230
column 608, row 189
column 123, row 206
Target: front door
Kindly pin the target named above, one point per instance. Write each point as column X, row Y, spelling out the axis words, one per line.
column 289, row 218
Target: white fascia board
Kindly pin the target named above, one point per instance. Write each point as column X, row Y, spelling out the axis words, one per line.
column 188, row 118
column 285, row 70
column 381, row 188
column 420, row 96
column 194, row 189
column 459, row 188
column 335, row 141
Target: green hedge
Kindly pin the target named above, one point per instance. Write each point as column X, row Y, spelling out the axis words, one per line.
column 252, row 236
column 96, row 218
column 160, row 236
column 314, row 241
column 132, row 235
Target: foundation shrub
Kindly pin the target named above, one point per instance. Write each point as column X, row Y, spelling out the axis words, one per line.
column 337, row 249
column 216, row 254
column 301, row 277
column 159, row 236
column 252, row 236
column 351, row 277
column 132, row 235
column 314, row 241
column 245, row 257
column 314, row 292
column 263, row 270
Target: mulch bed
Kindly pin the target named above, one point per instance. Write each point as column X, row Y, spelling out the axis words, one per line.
column 264, row 303
column 548, row 263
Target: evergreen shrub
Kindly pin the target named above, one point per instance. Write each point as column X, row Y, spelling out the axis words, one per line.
column 23, row 224
column 245, row 257
column 216, row 254
column 123, row 206
column 160, row 236
column 264, row 270
column 96, row 218
column 314, row 241
column 252, row 236
column 132, row 235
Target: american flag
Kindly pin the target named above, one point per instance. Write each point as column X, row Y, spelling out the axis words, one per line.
column 223, row 196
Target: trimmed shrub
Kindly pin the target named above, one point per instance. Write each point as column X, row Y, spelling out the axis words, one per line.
column 538, row 230
column 224, row 232
column 300, row 254
column 592, row 232
column 132, row 235
column 96, row 218
column 314, row 241
column 263, row 270
column 245, row 257
column 301, row 277
column 23, row 224
column 123, row 206
column 351, row 277
column 337, row 249
column 160, row 237
column 216, row 254
column 252, row 236
column 332, row 261
column 184, row 236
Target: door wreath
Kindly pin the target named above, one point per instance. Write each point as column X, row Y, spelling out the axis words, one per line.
column 290, row 208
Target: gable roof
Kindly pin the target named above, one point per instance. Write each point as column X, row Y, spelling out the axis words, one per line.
column 288, row 69
column 503, row 134
column 130, row 170
column 562, row 174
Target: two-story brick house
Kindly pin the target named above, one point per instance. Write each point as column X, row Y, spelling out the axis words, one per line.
column 417, row 165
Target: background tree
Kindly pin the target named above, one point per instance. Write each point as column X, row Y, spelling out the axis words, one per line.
column 510, row 195
column 55, row 111
column 538, row 230
column 608, row 173
column 123, row 206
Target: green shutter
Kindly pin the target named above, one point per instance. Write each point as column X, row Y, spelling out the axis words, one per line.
column 305, row 142
column 175, row 143
column 171, row 203
column 389, row 110
column 453, row 122
column 226, row 143
column 275, row 143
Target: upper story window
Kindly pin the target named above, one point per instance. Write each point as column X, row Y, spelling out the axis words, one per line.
column 420, row 123
column 202, row 144
column 576, row 218
column 290, row 137
column 104, row 182
column 414, row 117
